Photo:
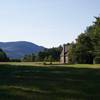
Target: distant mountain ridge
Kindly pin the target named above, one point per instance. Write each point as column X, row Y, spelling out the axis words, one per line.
column 19, row 49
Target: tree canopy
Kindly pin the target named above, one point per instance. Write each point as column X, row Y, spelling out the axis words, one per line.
column 87, row 45
column 52, row 54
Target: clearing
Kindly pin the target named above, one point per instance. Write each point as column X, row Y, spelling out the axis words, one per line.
column 35, row 81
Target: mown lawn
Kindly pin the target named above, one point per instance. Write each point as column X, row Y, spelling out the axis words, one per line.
column 56, row 82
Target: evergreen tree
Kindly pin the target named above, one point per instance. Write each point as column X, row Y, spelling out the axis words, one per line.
column 3, row 56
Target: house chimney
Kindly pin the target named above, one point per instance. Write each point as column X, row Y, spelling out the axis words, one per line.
column 64, row 53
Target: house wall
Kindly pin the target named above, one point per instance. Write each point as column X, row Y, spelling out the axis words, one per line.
column 62, row 60
column 66, row 59
column 64, row 54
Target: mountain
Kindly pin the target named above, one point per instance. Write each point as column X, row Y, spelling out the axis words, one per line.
column 20, row 48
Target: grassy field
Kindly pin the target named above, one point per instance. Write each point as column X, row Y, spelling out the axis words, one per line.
column 35, row 81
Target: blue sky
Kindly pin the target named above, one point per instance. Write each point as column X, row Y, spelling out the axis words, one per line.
column 46, row 22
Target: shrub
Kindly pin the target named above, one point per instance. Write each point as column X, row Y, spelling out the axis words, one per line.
column 97, row 60
column 44, row 63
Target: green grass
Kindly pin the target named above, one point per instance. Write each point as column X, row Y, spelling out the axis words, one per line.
column 31, row 81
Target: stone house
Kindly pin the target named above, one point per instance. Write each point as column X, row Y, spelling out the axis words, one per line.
column 64, row 54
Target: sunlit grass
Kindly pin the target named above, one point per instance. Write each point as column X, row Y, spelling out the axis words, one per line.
column 53, row 64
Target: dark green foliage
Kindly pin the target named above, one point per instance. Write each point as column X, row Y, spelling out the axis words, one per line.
column 94, row 33
column 3, row 56
column 42, row 55
column 48, row 55
column 84, row 49
column 52, row 54
column 87, row 45
column 15, row 60
column 29, row 58
column 97, row 60
column 72, row 54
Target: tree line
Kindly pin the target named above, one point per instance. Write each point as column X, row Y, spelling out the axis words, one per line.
column 86, row 49
column 48, row 55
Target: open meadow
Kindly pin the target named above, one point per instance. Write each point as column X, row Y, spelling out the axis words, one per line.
column 35, row 81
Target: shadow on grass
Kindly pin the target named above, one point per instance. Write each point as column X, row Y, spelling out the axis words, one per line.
column 49, row 83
